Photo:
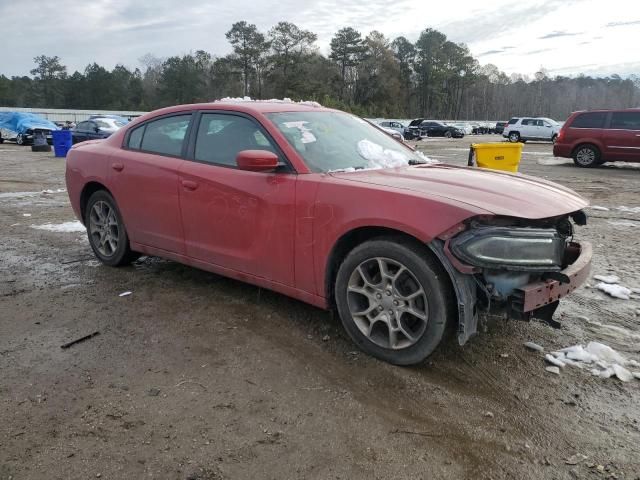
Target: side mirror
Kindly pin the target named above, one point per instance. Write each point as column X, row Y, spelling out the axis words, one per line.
column 97, row 129
column 257, row 160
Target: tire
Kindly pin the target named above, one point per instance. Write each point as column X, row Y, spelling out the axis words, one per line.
column 554, row 139
column 20, row 140
column 106, row 231
column 372, row 305
column 447, row 134
column 514, row 137
column 586, row 156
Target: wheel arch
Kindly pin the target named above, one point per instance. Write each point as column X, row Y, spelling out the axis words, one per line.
column 89, row 189
column 354, row 237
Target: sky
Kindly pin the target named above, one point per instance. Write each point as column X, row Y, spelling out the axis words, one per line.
column 566, row 37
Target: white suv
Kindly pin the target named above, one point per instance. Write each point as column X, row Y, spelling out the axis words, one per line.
column 521, row 129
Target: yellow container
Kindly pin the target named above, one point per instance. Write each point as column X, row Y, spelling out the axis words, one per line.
column 497, row 156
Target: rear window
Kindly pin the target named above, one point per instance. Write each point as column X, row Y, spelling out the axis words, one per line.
column 625, row 120
column 589, row 120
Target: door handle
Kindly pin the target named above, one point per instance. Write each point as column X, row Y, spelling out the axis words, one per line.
column 189, row 185
column 118, row 167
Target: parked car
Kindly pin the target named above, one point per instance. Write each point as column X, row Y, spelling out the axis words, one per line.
column 595, row 137
column 479, row 129
column 95, row 128
column 522, row 129
column 499, row 128
column 432, row 128
column 20, row 127
column 119, row 118
column 399, row 127
column 463, row 127
column 394, row 133
column 322, row 206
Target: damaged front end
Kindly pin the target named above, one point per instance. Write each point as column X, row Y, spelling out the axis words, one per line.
column 515, row 267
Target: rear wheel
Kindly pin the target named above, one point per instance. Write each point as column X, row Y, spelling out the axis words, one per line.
column 20, row 140
column 514, row 137
column 586, row 156
column 107, row 234
column 393, row 300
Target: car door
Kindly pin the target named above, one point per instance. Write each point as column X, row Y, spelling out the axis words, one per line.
column 144, row 180
column 526, row 128
column 237, row 219
column 79, row 133
column 622, row 139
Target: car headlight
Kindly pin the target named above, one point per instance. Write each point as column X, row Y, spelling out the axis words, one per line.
column 523, row 249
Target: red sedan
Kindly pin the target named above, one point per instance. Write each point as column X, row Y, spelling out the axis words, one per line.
column 322, row 206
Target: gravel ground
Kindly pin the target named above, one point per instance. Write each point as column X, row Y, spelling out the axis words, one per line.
column 200, row 377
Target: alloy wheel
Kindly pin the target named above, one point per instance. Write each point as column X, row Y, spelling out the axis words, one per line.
column 104, row 229
column 585, row 156
column 387, row 303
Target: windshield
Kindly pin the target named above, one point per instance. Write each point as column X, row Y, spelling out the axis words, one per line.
column 330, row 141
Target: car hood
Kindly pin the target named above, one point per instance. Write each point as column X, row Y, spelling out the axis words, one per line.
column 499, row 193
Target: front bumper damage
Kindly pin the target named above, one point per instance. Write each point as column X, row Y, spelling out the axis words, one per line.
column 535, row 299
column 538, row 298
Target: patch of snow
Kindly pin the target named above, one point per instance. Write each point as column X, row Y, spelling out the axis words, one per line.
column 598, row 207
column 554, row 361
column 125, row 294
column 305, row 132
column 309, row 103
column 613, row 290
column 380, row 157
column 555, row 370
column 628, row 209
column 30, row 194
column 607, row 278
column 65, row 227
column 636, row 374
column 553, row 161
column 622, row 373
column 534, row 346
column 624, row 223
column 604, row 360
column 26, row 214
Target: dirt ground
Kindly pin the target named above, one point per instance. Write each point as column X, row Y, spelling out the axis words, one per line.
column 194, row 376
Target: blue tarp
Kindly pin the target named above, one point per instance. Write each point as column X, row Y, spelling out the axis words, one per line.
column 19, row 122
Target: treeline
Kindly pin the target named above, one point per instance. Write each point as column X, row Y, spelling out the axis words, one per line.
column 369, row 75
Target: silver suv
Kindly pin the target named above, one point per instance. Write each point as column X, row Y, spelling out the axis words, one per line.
column 521, row 129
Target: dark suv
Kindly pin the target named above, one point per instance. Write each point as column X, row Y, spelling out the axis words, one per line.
column 431, row 128
column 599, row 136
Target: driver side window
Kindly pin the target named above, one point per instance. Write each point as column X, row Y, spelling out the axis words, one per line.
column 222, row 136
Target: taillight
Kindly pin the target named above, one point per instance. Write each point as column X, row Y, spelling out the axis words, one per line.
column 561, row 133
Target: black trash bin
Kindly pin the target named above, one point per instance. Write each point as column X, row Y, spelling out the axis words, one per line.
column 40, row 143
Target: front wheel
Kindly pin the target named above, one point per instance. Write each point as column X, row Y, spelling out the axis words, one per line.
column 20, row 140
column 107, row 234
column 514, row 137
column 447, row 134
column 554, row 139
column 586, row 156
column 392, row 300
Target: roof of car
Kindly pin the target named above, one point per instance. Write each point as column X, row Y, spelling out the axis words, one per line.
column 249, row 106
